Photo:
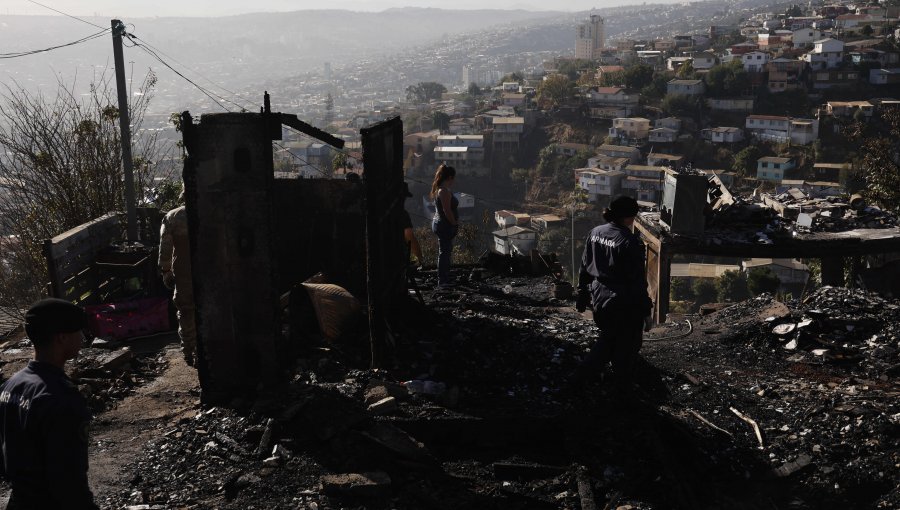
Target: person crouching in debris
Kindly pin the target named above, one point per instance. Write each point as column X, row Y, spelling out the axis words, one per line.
column 612, row 280
column 446, row 219
column 175, row 266
column 44, row 419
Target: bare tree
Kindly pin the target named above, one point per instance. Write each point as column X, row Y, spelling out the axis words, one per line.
column 61, row 166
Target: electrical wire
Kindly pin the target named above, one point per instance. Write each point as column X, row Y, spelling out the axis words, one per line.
column 154, row 52
column 323, row 173
column 483, row 201
column 208, row 93
column 73, row 43
column 252, row 104
column 143, row 45
column 64, row 14
column 146, row 46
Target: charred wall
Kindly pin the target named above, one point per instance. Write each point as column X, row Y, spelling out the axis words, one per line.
column 320, row 226
column 254, row 238
column 229, row 193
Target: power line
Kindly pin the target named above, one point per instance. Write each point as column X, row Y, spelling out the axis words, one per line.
column 206, row 92
column 198, row 73
column 144, row 45
column 140, row 43
column 64, row 14
column 323, row 173
column 73, row 43
column 483, row 201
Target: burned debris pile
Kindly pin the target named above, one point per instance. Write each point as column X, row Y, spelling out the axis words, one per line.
column 767, row 217
column 829, row 213
column 818, row 380
column 104, row 375
column 834, row 325
column 480, row 412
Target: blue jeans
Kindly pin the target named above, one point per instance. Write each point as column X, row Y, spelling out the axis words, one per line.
column 445, row 232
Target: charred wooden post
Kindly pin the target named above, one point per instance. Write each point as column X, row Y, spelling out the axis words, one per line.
column 386, row 256
column 659, row 264
column 833, row 271
column 228, row 184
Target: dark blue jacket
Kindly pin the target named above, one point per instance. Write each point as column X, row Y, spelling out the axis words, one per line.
column 44, row 438
column 612, row 269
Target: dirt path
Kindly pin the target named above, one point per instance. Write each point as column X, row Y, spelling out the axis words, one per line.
column 119, row 434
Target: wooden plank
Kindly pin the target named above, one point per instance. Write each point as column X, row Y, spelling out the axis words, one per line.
column 63, row 242
column 70, row 253
column 107, row 288
column 78, row 287
column 69, row 266
column 665, row 283
column 586, row 492
column 55, row 286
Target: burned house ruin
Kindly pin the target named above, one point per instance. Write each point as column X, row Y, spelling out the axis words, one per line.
column 255, row 237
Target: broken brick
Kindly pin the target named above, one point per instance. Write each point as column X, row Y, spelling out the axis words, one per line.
column 356, row 484
column 384, row 406
column 117, row 361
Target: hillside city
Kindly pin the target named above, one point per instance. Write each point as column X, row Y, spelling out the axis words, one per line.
column 770, row 102
column 549, row 116
column 672, row 282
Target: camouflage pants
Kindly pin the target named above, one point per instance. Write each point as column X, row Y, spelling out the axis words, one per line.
column 187, row 329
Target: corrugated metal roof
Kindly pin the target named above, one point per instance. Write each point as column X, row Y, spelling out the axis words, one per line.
column 617, row 148
column 511, row 231
column 788, row 263
column 509, row 120
column 695, row 270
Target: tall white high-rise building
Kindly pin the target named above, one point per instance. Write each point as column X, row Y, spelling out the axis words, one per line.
column 590, row 38
column 467, row 75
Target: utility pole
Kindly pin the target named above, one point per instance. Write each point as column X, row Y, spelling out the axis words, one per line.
column 574, row 280
column 118, row 28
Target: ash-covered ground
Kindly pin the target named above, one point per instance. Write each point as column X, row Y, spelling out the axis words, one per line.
column 494, row 422
column 763, row 405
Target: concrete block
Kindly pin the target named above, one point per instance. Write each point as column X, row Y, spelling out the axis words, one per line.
column 376, row 394
column 356, row 484
column 116, row 361
column 398, row 442
column 386, row 405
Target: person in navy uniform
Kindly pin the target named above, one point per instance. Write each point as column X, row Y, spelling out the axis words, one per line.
column 44, row 419
column 613, row 282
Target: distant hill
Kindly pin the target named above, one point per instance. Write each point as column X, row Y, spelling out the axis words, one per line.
column 320, row 34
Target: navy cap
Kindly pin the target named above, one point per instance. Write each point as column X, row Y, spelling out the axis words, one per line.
column 51, row 316
column 623, row 207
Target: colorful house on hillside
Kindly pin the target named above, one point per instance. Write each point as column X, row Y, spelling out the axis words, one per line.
column 686, row 87
column 772, row 168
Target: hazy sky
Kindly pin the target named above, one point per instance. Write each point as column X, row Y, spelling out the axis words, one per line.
column 136, row 8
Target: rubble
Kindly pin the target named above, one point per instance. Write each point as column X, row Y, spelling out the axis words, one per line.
column 102, row 377
column 356, row 484
column 829, row 213
column 383, row 406
column 809, row 431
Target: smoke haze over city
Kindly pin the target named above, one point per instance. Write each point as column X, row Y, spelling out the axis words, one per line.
column 233, row 7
